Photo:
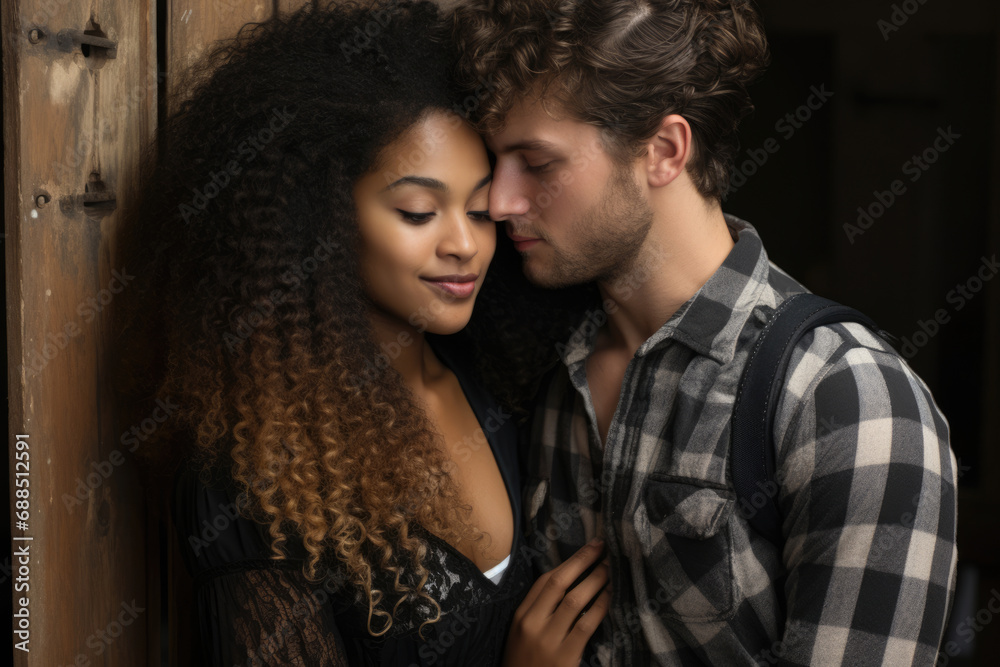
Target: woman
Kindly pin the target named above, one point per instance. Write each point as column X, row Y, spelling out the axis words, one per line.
column 348, row 489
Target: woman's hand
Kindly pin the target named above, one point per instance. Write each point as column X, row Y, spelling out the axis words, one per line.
column 548, row 629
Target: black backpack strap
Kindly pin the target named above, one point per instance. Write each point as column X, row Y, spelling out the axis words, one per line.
column 753, row 449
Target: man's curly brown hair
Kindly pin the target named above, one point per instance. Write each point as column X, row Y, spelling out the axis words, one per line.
column 249, row 311
column 621, row 65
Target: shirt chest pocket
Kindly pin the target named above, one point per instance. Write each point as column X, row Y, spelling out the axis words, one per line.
column 685, row 535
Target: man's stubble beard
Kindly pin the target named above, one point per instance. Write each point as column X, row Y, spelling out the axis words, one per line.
column 608, row 238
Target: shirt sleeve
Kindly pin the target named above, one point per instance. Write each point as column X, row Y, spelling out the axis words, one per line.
column 258, row 614
column 868, row 496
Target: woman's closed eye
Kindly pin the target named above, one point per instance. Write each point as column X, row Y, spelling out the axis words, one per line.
column 481, row 216
column 415, row 217
column 418, row 218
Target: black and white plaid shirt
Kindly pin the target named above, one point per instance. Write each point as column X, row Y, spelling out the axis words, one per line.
column 867, row 572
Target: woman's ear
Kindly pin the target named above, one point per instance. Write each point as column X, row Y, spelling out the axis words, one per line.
column 668, row 151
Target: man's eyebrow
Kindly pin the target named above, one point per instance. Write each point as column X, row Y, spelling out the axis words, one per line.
column 422, row 181
column 531, row 145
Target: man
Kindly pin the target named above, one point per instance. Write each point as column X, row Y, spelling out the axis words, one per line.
column 614, row 126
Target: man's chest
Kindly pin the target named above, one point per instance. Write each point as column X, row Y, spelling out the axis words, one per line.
column 657, row 491
column 665, row 414
column 605, row 370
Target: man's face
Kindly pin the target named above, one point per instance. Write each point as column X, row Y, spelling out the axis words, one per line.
column 575, row 215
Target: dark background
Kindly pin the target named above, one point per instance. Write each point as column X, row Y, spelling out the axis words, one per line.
column 893, row 90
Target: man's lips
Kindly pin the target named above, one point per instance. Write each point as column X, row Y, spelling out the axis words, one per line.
column 522, row 243
column 516, row 238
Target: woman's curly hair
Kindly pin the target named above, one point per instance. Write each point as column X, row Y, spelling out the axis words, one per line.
column 249, row 287
column 621, row 65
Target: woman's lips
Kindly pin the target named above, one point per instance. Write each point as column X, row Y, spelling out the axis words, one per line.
column 457, row 286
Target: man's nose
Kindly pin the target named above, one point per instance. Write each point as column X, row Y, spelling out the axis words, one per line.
column 508, row 196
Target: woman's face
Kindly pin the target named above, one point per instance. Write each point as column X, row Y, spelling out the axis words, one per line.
column 426, row 235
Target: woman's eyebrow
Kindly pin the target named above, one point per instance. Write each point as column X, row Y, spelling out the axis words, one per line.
column 432, row 183
column 422, row 181
column 481, row 184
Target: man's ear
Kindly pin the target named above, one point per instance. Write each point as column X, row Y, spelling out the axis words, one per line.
column 668, row 150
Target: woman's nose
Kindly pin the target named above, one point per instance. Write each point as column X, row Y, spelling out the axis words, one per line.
column 457, row 238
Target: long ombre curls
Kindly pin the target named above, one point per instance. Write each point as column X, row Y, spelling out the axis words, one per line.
column 252, row 289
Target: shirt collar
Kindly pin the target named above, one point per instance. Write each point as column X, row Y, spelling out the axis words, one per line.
column 709, row 322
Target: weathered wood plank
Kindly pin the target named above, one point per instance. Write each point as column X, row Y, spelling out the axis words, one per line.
column 78, row 120
column 193, row 25
column 286, row 6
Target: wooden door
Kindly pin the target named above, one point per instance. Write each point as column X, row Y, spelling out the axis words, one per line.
column 83, row 82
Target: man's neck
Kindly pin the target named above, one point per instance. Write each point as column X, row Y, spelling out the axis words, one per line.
column 684, row 248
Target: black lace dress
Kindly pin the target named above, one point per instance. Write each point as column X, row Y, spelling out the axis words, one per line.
column 252, row 610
